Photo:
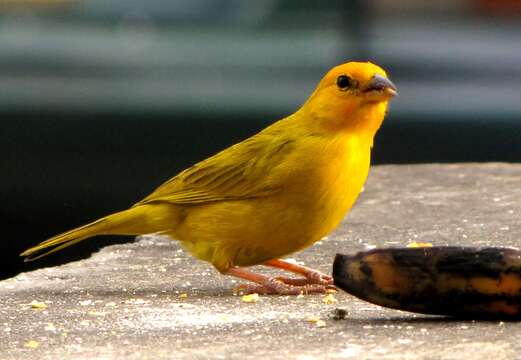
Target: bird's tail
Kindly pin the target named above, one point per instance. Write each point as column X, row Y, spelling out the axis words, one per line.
column 127, row 222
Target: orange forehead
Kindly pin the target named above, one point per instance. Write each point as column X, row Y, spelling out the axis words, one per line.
column 361, row 71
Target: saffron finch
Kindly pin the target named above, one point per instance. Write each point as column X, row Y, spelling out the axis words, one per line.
column 271, row 195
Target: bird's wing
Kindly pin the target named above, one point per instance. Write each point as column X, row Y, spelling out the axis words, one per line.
column 245, row 170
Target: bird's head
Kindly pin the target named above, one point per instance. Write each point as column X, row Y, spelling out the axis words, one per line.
column 351, row 96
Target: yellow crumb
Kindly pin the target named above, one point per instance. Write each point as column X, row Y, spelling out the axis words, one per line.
column 320, row 323
column 97, row 313
column 416, row 244
column 33, row 344
column 250, row 298
column 38, row 305
column 313, row 319
column 329, row 299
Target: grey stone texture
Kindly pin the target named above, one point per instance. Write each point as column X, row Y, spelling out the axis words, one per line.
column 150, row 300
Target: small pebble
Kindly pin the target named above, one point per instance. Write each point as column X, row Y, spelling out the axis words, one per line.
column 338, row 314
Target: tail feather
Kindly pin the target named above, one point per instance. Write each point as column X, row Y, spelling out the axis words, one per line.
column 127, row 222
column 64, row 240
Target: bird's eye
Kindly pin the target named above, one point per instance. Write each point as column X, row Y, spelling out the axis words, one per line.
column 344, row 82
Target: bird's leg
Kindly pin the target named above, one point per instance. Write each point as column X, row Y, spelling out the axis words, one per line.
column 311, row 276
column 271, row 285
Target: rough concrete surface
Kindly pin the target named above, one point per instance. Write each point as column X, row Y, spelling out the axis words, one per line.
column 128, row 301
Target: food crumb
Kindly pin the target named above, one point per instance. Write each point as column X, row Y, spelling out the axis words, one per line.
column 417, row 244
column 33, row 344
column 250, row 298
column 329, row 299
column 38, row 304
column 133, row 301
column 97, row 313
column 320, row 324
column 313, row 319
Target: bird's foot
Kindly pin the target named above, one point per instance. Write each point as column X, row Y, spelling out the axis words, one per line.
column 313, row 282
column 316, row 277
column 311, row 276
column 279, row 286
column 273, row 285
column 305, row 281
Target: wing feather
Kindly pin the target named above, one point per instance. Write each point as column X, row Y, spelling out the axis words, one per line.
column 242, row 171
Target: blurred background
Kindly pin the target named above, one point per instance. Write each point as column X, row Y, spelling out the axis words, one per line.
column 103, row 100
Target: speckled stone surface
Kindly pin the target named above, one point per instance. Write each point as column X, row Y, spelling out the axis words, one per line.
column 150, row 300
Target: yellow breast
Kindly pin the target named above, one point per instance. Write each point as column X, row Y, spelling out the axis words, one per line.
column 243, row 233
column 339, row 182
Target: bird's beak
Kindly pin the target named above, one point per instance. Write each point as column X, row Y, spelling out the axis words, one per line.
column 380, row 87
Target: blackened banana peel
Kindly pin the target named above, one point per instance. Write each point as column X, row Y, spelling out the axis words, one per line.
column 455, row 281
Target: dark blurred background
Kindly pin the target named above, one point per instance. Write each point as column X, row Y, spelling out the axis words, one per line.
column 103, row 100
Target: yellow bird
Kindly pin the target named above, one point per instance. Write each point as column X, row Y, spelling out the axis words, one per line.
column 271, row 195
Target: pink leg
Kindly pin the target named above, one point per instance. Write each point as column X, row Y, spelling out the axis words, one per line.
column 311, row 276
column 271, row 285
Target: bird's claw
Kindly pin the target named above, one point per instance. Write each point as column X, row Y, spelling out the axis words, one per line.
column 318, row 280
column 279, row 286
column 316, row 277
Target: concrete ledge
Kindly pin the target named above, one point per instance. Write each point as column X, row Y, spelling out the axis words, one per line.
column 149, row 300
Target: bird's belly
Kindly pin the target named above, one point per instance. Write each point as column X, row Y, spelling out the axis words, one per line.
column 243, row 232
